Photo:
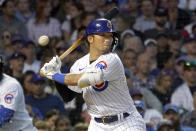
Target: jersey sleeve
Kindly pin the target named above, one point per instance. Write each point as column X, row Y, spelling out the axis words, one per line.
column 111, row 66
column 12, row 96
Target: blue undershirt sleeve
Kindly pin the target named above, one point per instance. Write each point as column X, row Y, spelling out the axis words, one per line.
column 5, row 115
column 58, row 77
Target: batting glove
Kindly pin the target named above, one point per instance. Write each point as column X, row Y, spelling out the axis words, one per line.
column 91, row 76
column 49, row 69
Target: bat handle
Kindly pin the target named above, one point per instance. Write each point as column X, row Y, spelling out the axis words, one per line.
column 68, row 51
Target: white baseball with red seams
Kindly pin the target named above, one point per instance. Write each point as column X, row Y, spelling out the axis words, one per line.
column 43, row 40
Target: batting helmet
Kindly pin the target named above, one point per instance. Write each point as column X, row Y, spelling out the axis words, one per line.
column 99, row 26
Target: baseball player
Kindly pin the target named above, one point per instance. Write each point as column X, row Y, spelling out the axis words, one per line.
column 99, row 75
column 13, row 115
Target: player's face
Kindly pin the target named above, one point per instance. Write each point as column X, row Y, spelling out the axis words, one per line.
column 102, row 42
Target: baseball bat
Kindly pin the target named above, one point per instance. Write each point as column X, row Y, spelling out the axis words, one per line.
column 109, row 15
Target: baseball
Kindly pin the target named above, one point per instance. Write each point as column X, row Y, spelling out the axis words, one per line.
column 43, row 40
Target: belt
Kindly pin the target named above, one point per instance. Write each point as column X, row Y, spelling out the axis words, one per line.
column 109, row 119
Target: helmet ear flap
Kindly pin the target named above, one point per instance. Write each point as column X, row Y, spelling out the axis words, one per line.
column 116, row 40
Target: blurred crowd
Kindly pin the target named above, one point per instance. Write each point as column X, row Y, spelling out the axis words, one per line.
column 157, row 47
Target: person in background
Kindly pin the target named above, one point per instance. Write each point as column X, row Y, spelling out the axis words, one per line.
column 177, row 17
column 175, row 44
column 42, row 126
column 31, row 61
column 189, row 119
column 142, row 78
column 62, row 123
column 165, row 125
column 50, row 117
column 23, row 11
column 151, row 50
column 5, row 46
column 9, row 22
column 190, row 46
column 141, row 109
column 160, row 16
column 81, row 127
column 16, row 43
column 26, row 84
column 146, row 21
column 129, row 60
column 163, row 86
column 134, row 43
column 43, row 23
column 40, row 99
column 16, row 62
column 183, row 95
column 147, row 97
column 171, row 112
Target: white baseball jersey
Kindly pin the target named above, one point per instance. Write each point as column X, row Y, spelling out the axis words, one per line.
column 12, row 97
column 112, row 96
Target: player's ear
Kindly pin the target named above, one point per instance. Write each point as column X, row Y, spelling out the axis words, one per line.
column 90, row 38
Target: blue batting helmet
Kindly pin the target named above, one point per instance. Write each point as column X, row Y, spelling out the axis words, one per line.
column 102, row 25
column 98, row 26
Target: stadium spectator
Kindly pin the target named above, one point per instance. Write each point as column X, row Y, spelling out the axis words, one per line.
column 174, row 43
column 31, row 62
column 189, row 119
column 43, row 23
column 162, row 42
column 62, row 123
column 134, row 43
column 147, row 97
column 26, row 84
column 183, row 96
column 190, row 46
column 16, row 63
column 131, row 8
column 145, row 21
column 51, row 117
column 188, row 5
column 177, row 17
column 122, row 23
column 165, row 61
column 165, row 125
column 40, row 99
column 171, row 112
column 69, row 27
column 23, row 11
column 16, row 43
column 141, row 109
column 129, row 60
column 187, row 31
column 81, row 127
column 161, row 24
column 151, row 50
column 163, row 86
column 8, row 20
column 42, row 126
column 142, row 78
